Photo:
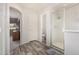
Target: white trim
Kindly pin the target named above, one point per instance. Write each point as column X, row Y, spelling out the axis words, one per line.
column 8, row 37
column 8, row 31
column 64, row 19
column 71, row 30
column 40, row 28
column 21, row 22
column 41, row 25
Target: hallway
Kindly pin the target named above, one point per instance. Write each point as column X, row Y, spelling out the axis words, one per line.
column 41, row 28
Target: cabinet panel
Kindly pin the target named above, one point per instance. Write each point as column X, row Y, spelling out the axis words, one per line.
column 16, row 36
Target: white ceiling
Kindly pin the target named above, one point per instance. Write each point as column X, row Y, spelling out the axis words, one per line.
column 37, row 6
column 41, row 6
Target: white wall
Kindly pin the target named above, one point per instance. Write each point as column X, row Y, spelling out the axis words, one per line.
column 4, row 27
column 14, row 13
column 2, row 7
column 29, row 26
column 71, row 34
column 72, row 18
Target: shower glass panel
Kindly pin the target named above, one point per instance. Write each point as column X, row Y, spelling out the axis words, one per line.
column 57, row 29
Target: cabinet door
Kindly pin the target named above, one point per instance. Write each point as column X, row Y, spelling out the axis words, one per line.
column 16, row 36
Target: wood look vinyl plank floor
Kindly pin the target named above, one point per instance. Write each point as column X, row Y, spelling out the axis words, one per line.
column 34, row 48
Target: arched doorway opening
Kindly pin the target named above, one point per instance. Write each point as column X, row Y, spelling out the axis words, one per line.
column 15, row 24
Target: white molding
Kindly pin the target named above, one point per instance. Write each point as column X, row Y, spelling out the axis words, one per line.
column 41, row 15
column 71, row 31
column 8, row 27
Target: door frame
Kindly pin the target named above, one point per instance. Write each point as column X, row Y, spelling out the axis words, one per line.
column 8, row 32
column 47, row 14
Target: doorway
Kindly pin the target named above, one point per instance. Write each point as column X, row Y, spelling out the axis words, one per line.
column 15, row 19
column 44, row 29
